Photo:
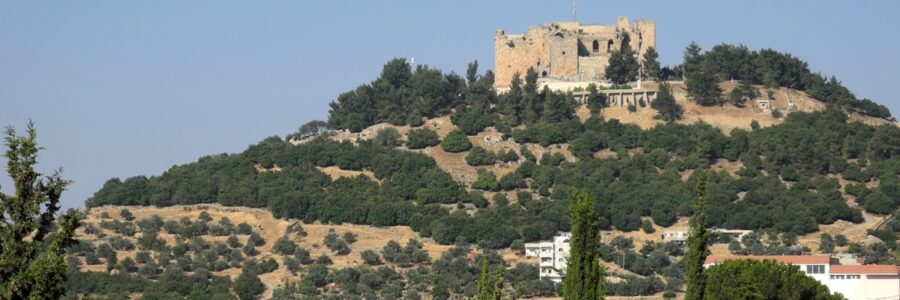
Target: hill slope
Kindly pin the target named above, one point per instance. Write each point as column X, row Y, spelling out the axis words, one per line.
column 495, row 171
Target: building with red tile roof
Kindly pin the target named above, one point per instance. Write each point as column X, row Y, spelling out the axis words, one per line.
column 855, row 282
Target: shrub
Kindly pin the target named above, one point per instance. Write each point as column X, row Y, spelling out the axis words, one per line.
column 508, row 156
column 518, row 246
column 456, row 141
column 204, row 216
column 477, row 199
column 302, row 256
column 647, row 226
column 284, row 246
column 421, row 138
column 349, row 237
column 370, row 257
column 323, row 260
column 480, row 157
column 244, row 228
column 387, row 137
column 142, row 256
column 486, row 181
column 292, row 264
column 91, row 259
column 172, row 227
column 247, row 285
column 840, row 240
column 233, row 241
column 256, row 240
column 500, row 200
column 126, row 214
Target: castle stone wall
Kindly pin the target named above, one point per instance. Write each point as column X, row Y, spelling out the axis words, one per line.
column 567, row 51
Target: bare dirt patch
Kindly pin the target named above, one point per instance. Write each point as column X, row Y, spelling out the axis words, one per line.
column 335, row 173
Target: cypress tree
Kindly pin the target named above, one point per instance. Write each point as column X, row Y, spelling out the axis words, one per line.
column 584, row 275
column 32, row 252
column 490, row 287
column 694, row 278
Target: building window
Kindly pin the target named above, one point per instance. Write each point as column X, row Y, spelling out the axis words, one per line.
column 596, row 46
column 854, row 276
column 837, row 276
column 815, row 269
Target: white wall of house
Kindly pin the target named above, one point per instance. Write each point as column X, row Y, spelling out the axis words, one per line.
column 865, row 286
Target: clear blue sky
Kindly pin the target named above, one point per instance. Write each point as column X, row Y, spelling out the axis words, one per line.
column 122, row 88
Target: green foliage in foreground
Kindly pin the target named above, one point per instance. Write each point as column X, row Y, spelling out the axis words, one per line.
column 584, row 276
column 767, row 279
column 694, row 276
column 32, row 239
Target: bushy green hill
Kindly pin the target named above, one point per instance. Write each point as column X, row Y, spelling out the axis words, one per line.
column 811, row 169
column 787, row 182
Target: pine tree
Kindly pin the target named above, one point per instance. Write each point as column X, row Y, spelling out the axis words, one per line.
column 665, row 104
column 584, row 275
column 472, row 72
column 623, row 67
column 692, row 59
column 694, row 278
column 32, row 259
column 703, row 88
column 651, row 64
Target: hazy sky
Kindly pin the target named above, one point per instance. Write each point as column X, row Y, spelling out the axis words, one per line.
column 122, row 88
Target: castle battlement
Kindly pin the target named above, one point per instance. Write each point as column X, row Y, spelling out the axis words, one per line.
column 567, row 51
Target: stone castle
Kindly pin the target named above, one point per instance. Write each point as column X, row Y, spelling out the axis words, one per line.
column 567, row 51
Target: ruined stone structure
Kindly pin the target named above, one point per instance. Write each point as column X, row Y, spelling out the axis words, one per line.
column 567, row 51
column 638, row 97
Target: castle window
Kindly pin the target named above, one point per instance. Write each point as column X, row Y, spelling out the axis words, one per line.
column 596, row 46
column 609, row 45
column 544, row 74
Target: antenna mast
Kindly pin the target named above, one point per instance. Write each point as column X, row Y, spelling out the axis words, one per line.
column 574, row 11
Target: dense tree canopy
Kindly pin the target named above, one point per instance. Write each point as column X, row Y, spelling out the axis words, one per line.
column 398, row 96
column 767, row 279
column 770, row 68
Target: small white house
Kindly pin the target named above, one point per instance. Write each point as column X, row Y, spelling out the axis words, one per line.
column 552, row 255
column 675, row 236
column 763, row 104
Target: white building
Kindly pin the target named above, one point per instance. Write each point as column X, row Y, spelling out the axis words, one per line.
column 736, row 234
column 675, row 236
column 553, row 256
column 855, row 282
